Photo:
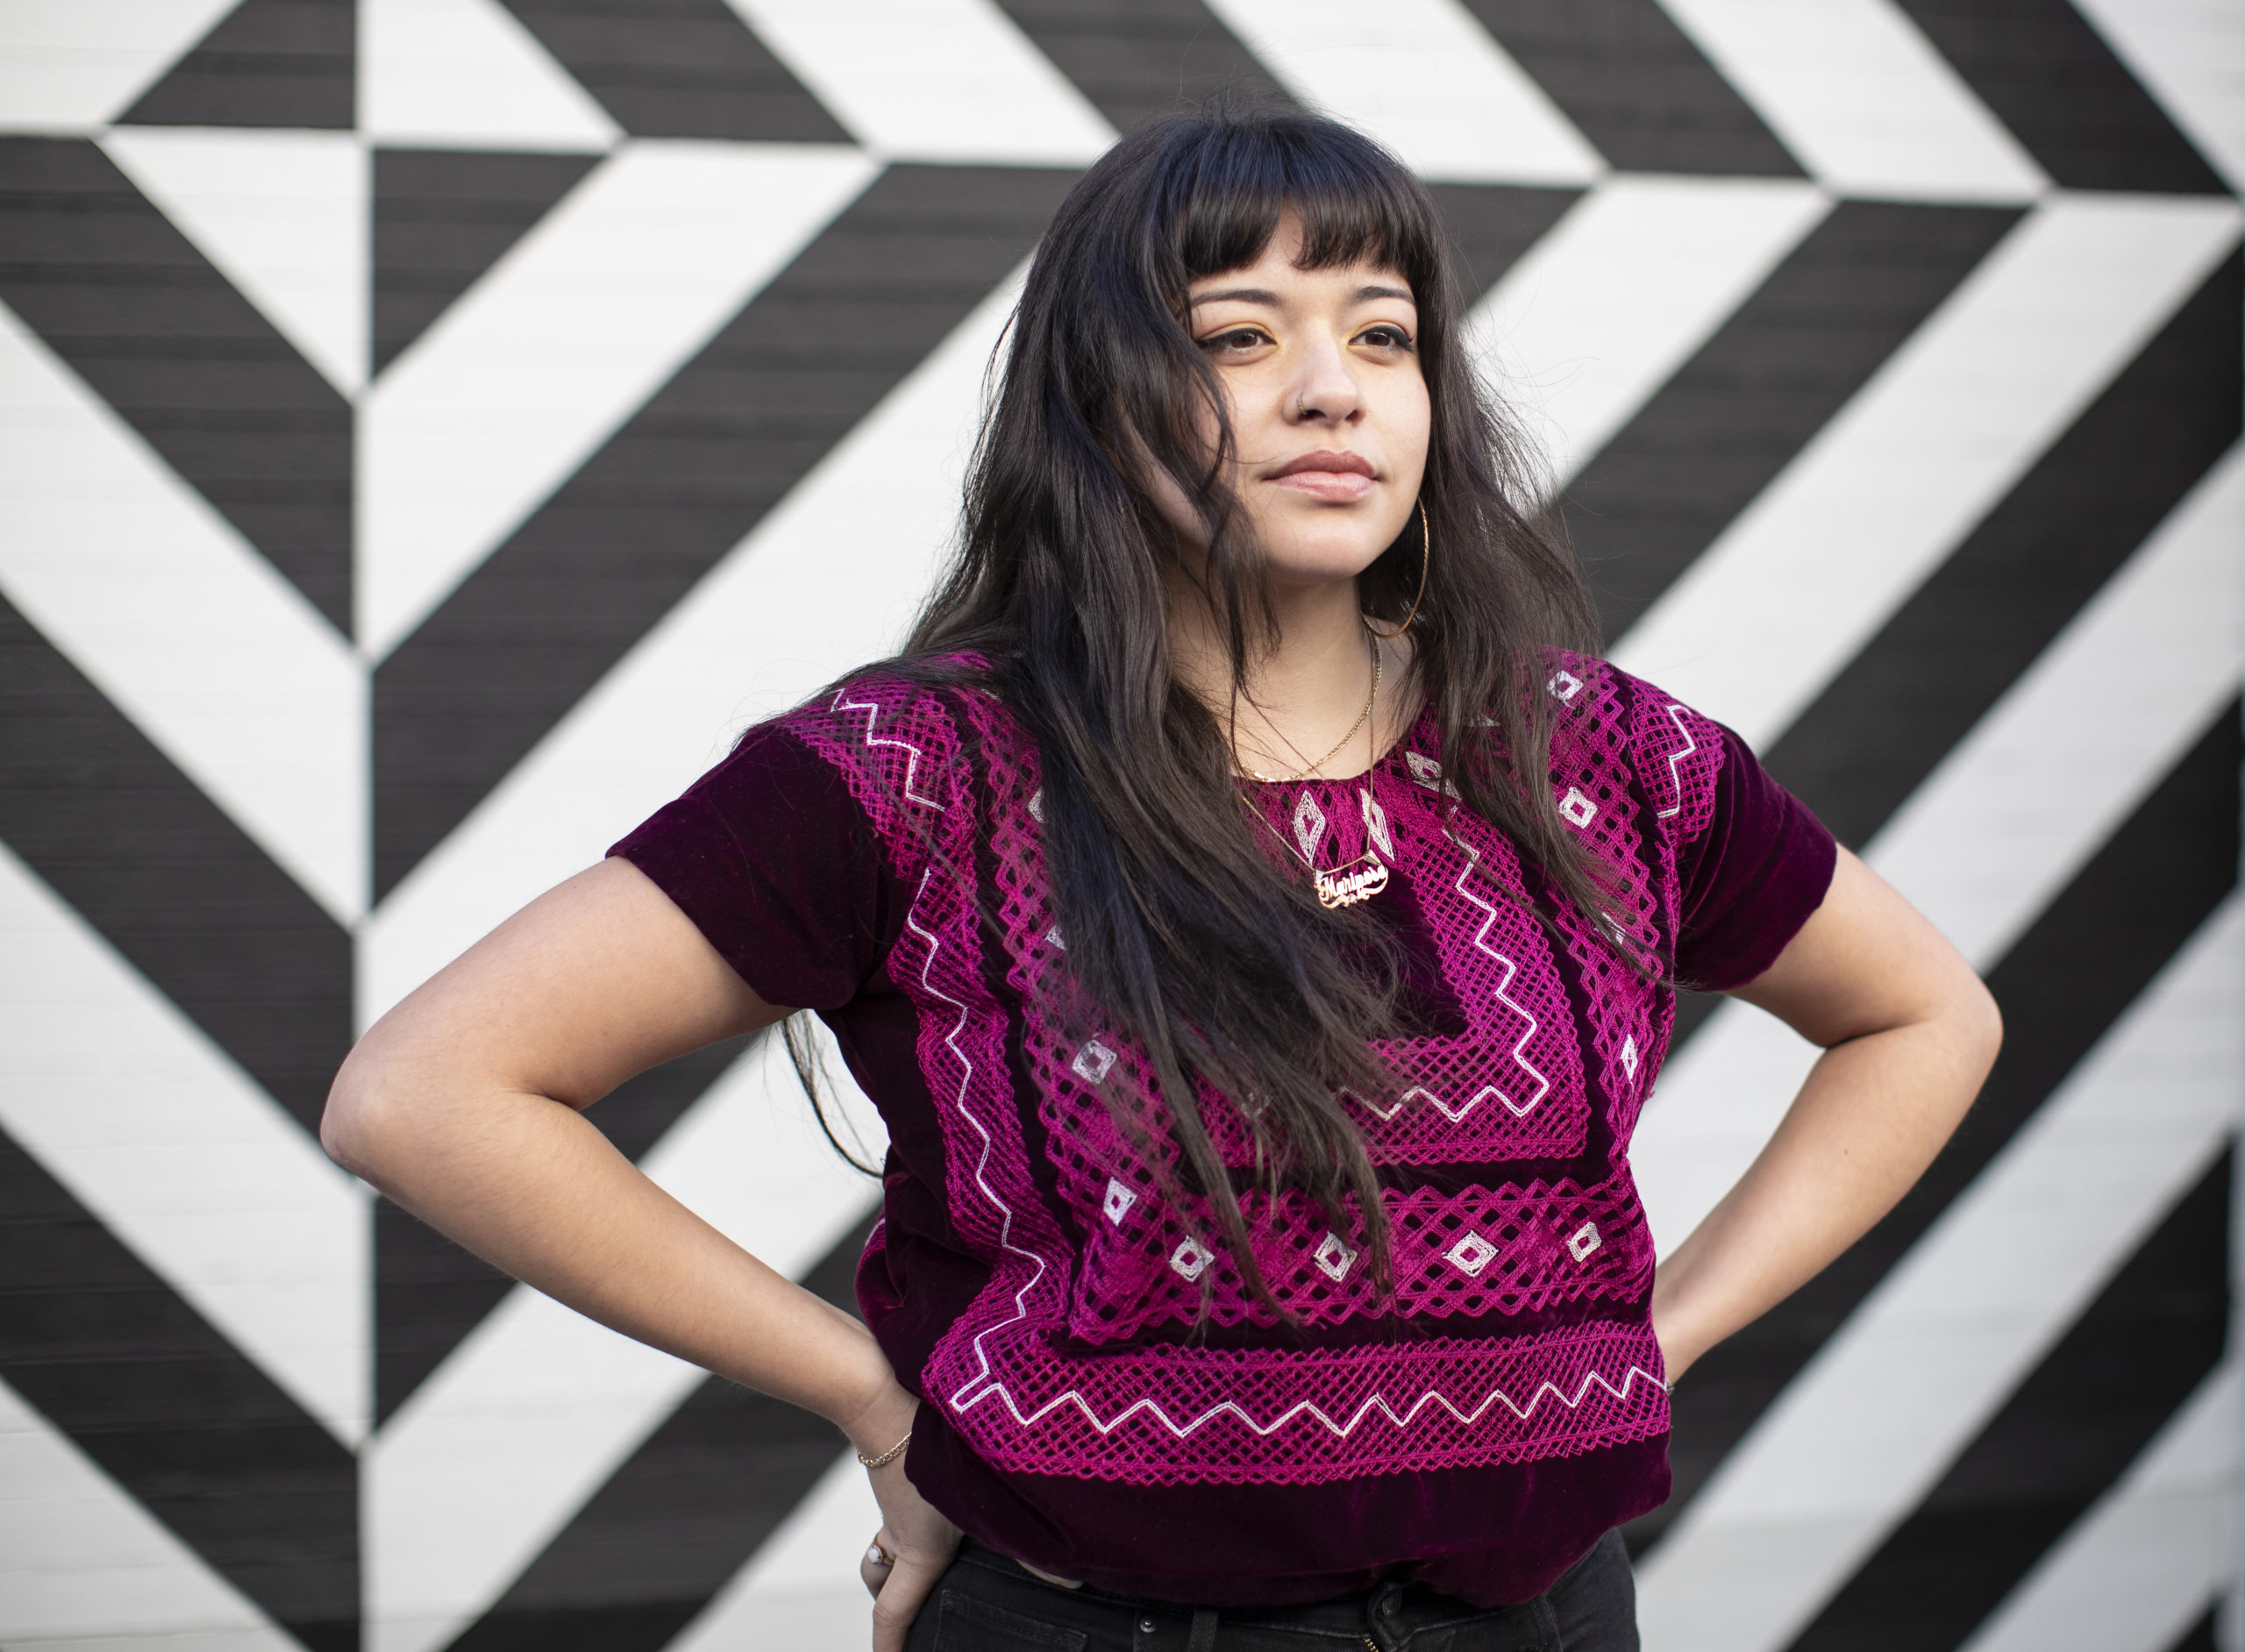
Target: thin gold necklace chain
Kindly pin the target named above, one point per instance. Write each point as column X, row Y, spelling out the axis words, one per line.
column 1377, row 659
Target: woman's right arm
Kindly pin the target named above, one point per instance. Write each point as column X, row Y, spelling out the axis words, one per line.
column 464, row 1106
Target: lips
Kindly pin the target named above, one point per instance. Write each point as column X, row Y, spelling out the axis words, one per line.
column 1330, row 477
column 1325, row 460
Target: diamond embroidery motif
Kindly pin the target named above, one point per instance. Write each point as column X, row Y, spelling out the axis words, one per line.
column 1565, row 686
column 1310, row 825
column 1584, row 1240
column 1191, row 1258
column 1424, row 770
column 1118, row 1201
column 1629, row 1055
column 1472, row 1253
column 1037, row 805
column 1053, row 935
column 1334, row 1258
column 1376, row 824
column 1576, row 807
column 1092, row 1062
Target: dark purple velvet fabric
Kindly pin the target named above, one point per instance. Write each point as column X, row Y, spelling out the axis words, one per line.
column 774, row 856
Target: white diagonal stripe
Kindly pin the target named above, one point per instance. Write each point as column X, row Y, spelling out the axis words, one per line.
column 157, row 599
column 84, row 1568
column 466, row 74
column 1618, row 294
column 1865, row 1431
column 180, row 1156
column 825, row 582
column 559, row 342
column 2190, row 54
column 2021, row 803
column 504, row 1441
column 933, row 80
column 1999, row 827
column 285, row 216
column 800, row 1588
column 2137, row 1570
column 1804, row 576
column 1860, row 99
column 71, row 66
column 1423, row 77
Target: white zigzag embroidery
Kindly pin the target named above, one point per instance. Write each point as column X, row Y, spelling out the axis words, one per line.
column 1675, row 774
column 911, row 762
column 959, row 1399
column 1420, row 1093
column 1373, row 1403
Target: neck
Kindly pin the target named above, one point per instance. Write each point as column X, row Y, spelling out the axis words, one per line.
column 1305, row 689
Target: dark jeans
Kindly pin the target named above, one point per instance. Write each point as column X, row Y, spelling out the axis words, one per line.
column 986, row 1603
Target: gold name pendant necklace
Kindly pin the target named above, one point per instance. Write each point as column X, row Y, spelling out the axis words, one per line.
column 1353, row 880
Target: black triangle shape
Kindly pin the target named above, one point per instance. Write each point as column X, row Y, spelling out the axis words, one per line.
column 443, row 217
column 2049, row 75
column 1636, row 87
column 267, row 63
column 679, row 68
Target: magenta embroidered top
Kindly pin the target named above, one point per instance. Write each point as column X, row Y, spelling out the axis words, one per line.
column 875, row 856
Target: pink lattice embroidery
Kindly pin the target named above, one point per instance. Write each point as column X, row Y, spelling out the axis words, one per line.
column 1166, row 1414
column 1086, row 1251
column 1478, row 1252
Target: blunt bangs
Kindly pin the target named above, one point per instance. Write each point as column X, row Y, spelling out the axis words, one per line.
column 1225, row 185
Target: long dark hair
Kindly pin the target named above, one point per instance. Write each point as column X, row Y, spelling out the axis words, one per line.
column 1183, row 932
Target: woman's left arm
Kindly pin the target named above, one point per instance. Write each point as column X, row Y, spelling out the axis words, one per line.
column 1908, row 1033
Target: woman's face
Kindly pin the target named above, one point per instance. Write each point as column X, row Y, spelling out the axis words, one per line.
column 1328, row 405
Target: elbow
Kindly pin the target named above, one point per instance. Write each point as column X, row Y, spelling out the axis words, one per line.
column 351, row 1125
column 1980, row 1029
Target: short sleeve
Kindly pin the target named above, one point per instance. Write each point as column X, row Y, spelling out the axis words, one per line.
column 776, row 863
column 1750, row 878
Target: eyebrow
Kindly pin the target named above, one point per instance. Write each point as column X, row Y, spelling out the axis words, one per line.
column 1264, row 296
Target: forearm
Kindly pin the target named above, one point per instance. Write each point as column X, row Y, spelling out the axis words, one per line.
column 1873, row 1114
column 530, row 1186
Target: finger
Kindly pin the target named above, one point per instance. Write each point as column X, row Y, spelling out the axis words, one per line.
column 911, row 1580
column 875, row 1565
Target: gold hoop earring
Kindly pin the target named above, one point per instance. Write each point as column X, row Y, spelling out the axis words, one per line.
column 1426, row 559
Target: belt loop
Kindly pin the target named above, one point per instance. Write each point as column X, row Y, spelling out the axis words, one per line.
column 1202, row 1636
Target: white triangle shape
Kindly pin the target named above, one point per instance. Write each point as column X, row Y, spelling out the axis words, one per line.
column 283, row 214
column 80, row 63
column 464, row 74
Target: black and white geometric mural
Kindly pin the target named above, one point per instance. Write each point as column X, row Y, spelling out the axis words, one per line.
column 430, row 429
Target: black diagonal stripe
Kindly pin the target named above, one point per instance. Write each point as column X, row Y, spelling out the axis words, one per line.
column 1953, row 648
column 1639, row 89
column 467, row 695
column 1494, row 223
column 172, row 1413
column 2075, row 972
column 171, row 882
column 2064, row 1436
column 647, row 1551
column 267, row 63
column 1736, row 413
column 679, row 68
column 2049, row 76
column 430, row 1292
column 2199, row 1637
column 443, row 217
column 1136, row 59
column 101, row 275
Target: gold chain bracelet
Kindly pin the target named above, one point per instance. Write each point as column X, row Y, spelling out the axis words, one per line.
column 887, row 1456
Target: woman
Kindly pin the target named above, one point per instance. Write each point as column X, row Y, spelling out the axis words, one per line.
column 1258, row 930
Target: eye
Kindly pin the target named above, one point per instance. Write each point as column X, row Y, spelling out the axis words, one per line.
column 1234, row 341
column 1386, row 334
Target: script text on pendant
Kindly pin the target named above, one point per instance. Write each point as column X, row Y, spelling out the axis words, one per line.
column 1345, row 889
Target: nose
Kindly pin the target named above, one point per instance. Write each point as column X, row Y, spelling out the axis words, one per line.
column 1325, row 391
